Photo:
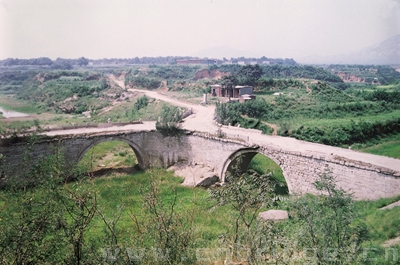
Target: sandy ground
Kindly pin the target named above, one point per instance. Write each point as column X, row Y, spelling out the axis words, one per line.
column 201, row 120
column 392, row 242
column 193, row 174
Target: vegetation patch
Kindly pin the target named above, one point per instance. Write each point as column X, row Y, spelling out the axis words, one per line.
column 112, row 154
column 390, row 146
column 147, row 215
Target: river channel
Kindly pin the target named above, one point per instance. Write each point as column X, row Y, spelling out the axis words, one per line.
column 11, row 114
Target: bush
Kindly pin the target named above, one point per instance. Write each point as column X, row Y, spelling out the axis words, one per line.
column 345, row 134
column 141, row 103
column 326, row 224
column 145, row 82
column 226, row 113
column 169, row 121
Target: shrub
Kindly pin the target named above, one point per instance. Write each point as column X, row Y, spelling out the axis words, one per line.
column 141, row 103
column 326, row 224
column 169, row 121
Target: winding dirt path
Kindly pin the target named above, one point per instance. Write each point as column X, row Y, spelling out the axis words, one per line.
column 115, row 80
column 201, row 120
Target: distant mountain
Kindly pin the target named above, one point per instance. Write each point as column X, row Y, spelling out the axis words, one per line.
column 387, row 52
column 384, row 53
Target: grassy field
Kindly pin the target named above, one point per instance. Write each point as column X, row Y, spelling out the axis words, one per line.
column 335, row 122
column 10, row 103
column 264, row 165
column 388, row 147
column 117, row 190
column 382, row 224
column 389, row 87
column 126, row 191
column 126, row 111
column 112, row 154
column 211, row 224
column 121, row 197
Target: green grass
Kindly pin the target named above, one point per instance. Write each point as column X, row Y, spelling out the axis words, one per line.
column 125, row 192
column 391, row 149
column 389, row 146
column 295, row 123
column 109, row 154
column 382, row 224
column 114, row 192
column 263, row 165
column 389, row 87
column 125, row 112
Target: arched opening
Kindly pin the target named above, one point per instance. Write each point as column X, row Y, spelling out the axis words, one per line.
column 265, row 165
column 249, row 159
column 110, row 157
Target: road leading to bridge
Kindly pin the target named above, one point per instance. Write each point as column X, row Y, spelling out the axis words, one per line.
column 203, row 120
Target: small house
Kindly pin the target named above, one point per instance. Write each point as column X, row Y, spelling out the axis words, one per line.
column 237, row 92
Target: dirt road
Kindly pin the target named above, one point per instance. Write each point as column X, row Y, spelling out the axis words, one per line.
column 201, row 120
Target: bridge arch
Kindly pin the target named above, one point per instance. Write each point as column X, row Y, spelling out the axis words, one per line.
column 244, row 156
column 136, row 149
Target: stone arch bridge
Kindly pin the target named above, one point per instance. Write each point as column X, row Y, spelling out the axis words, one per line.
column 300, row 169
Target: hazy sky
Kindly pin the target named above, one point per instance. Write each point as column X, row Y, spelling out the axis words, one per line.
column 128, row 28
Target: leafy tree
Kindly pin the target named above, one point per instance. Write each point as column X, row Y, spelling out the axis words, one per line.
column 30, row 217
column 82, row 61
column 326, row 223
column 244, row 195
column 249, row 74
column 255, row 108
column 226, row 114
column 44, row 220
column 229, row 81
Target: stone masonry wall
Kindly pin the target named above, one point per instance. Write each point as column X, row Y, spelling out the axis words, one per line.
column 363, row 181
column 152, row 148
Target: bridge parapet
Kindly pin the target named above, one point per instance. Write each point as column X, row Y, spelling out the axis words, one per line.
column 365, row 180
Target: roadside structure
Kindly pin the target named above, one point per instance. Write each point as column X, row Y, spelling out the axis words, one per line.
column 241, row 93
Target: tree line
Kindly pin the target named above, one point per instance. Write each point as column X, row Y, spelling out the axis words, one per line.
column 265, row 76
column 59, row 63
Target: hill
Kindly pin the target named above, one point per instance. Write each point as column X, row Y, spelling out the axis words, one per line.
column 386, row 52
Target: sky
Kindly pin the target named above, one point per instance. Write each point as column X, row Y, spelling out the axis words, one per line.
column 99, row 29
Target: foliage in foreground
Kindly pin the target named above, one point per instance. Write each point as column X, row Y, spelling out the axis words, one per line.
column 326, row 224
column 250, row 238
column 101, row 222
